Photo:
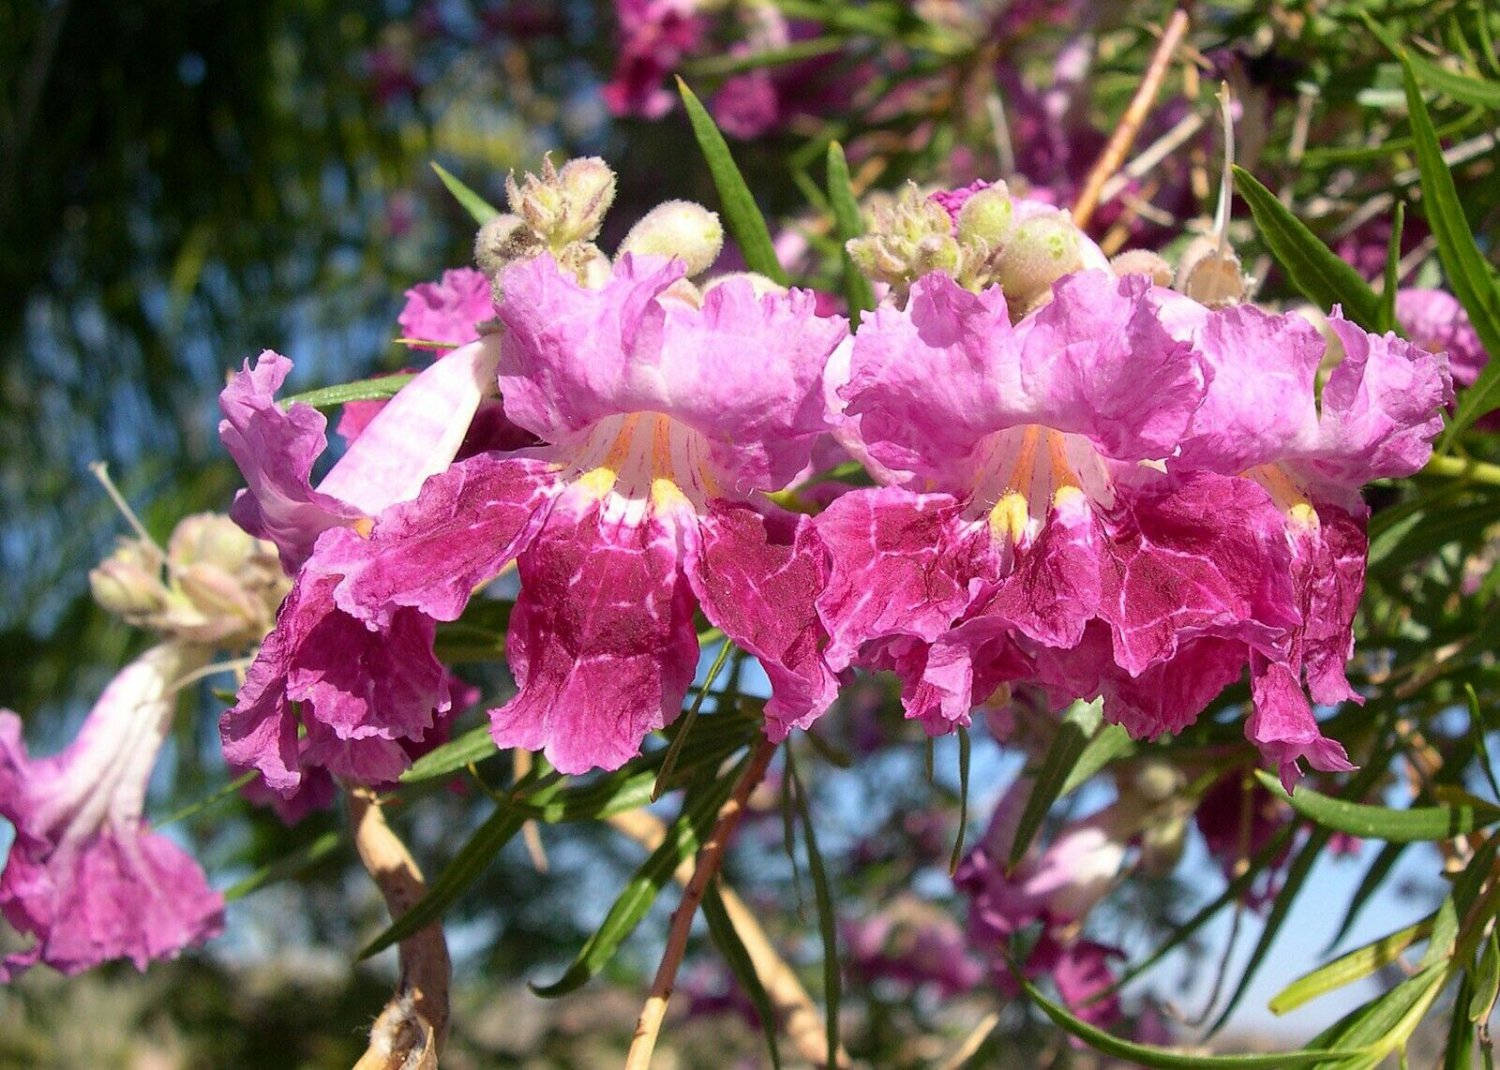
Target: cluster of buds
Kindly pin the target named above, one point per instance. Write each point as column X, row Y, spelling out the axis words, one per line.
column 214, row 585
column 561, row 212
column 978, row 237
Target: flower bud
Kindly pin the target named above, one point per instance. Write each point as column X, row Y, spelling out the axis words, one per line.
column 564, row 206
column 504, row 239
column 128, row 582
column 587, row 263
column 758, row 283
column 907, row 239
column 1162, row 844
column 213, row 539
column 215, row 608
column 1041, row 250
column 1143, row 262
column 986, row 217
column 1155, row 782
column 682, row 229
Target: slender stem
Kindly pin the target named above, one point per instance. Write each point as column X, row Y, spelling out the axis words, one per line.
column 410, row 1031
column 710, row 855
column 793, row 1006
column 1462, row 468
column 1130, row 124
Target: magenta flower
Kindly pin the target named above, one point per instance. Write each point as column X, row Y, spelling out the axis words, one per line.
column 654, row 37
column 447, row 311
column 1306, row 458
column 663, row 422
column 86, row 877
column 366, row 700
column 1435, row 321
column 1023, row 524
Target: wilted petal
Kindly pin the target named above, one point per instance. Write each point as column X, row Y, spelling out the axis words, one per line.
column 601, row 639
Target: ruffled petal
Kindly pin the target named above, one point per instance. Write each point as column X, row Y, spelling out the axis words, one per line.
column 448, row 310
column 431, row 553
column 275, row 451
column 601, row 639
column 1283, row 727
column 901, row 566
column 756, row 577
column 1382, row 407
column 1209, row 557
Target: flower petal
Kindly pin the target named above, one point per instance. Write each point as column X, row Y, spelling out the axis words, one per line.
column 601, row 639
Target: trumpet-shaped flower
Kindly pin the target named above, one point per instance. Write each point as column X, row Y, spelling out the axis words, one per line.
column 363, row 700
column 86, row 877
column 1029, row 514
column 1307, row 456
column 662, row 422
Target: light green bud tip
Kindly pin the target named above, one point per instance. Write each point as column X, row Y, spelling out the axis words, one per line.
column 906, row 241
column 1040, row 251
column 682, row 229
column 986, row 217
column 565, row 206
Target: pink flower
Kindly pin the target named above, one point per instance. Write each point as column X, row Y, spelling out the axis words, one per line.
column 448, row 311
column 1022, row 524
column 1435, row 321
column 1307, row 457
column 86, row 877
column 663, row 423
column 654, row 37
column 312, row 676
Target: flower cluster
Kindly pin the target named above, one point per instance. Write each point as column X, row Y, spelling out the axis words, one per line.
column 1087, row 482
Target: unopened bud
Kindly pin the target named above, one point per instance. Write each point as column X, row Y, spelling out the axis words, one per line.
column 682, row 229
column 587, row 263
column 1156, row 782
column 758, row 283
column 1143, row 262
column 503, row 240
column 907, row 239
column 212, row 539
column 128, row 582
column 1040, row 251
column 1162, row 843
column 564, row 206
column 986, row 217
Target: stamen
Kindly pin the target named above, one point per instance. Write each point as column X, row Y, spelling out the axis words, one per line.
column 101, row 473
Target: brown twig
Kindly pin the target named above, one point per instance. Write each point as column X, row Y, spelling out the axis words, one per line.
column 793, row 1007
column 710, row 855
column 1130, row 124
column 410, row 1031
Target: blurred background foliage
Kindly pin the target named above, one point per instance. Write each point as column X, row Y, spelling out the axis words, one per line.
column 186, row 182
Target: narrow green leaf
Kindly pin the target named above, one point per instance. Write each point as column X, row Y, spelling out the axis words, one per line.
column 741, row 214
column 299, row 861
column 1384, row 1022
column 683, row 838
column 473, row 203
column 1067, row 747
column 1346, row 969
column 473, row 746
column 1463, row 88
column 1386, row 320
column 1165, row 1058
column 1321, row 276
column 827, row 921
column 670, row 761
column 848, row 224
column 1481, row 746
column 1486, row 982
column 1383, row 823
column 364, row 390
column 1111, row 741
column 1463, row 264
column 194, row 808
column 1459, row 1052
column 963, row 800
column 724, row 935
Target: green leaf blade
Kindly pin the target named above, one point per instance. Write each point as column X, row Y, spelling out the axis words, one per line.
column 480, row 209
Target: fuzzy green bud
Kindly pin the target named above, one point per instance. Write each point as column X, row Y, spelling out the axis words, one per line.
column 564, row 206
column 1040, row 251
column 907, row 239
column 128, row 582
column 682, row 229
column 986, row 217
column 504, row 240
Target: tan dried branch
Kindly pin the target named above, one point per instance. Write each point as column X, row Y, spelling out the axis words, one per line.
column 409, row 1033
